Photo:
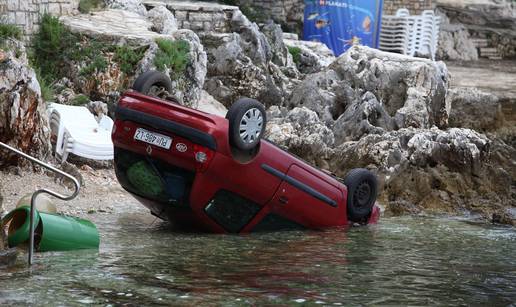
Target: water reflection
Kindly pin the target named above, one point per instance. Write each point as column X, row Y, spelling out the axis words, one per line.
column 415, row 261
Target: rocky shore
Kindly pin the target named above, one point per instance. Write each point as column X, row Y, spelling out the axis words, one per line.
column 436, row 147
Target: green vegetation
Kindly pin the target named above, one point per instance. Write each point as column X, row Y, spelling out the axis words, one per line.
column 85, row 6
column 80, row 100
column 172, row 55
column 254, row 14
column 55, row 47
column 230, row 2
column 9, row 31
column 51, row 46
column 128, row 58
column 296, row 54
column 47, row 92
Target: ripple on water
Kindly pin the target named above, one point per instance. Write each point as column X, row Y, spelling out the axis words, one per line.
column 401, row 261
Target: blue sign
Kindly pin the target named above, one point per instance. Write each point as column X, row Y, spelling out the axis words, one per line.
column 341, row 24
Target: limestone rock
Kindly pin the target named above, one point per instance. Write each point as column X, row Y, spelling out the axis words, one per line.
column 23, row 119
column 474, row 109
column 366, row 117
column 454, row 42
column 302, row 133
column 135, row 6
column 192, row 81
column 113, row 25
column 411, row 89
column 432, row 169
column 401, row 92
column 162, row 19
column 98, row 109
column 243, row 63
column 210, row 105
column 187, row 88
column 280, row 53
column 314, row 55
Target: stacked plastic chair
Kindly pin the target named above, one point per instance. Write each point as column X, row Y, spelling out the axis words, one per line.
column 410, row 35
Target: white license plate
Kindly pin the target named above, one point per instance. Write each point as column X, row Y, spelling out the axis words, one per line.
column 153, row 138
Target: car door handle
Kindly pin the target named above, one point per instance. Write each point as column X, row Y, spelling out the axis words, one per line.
column 283, row 200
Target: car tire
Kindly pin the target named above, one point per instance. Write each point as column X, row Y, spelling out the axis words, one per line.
column 362, row 191
column 150, row 80
column 251, row 114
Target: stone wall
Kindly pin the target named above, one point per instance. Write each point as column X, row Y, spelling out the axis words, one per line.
column 26, row 13
column 200, row 16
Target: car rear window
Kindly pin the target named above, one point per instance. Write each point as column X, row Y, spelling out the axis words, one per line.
column 231, row 211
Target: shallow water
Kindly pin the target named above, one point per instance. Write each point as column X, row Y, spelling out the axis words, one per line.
column 401, row 261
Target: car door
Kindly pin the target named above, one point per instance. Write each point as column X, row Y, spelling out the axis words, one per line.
column 310, row 198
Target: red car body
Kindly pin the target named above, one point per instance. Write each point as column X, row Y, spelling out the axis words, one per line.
column 273, row 190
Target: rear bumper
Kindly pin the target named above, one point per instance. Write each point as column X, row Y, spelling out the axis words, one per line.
column 164, row 125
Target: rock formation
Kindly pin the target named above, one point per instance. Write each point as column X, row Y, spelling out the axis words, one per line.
column 454, row 42
column 474, row 109
column 125, row 27
column 23, row 119
column 248, row 63
column 388, row 113
column 491, row 20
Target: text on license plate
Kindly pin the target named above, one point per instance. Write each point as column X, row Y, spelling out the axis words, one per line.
column 153, row 138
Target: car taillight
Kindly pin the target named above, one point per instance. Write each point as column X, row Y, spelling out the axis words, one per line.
column 203, row 157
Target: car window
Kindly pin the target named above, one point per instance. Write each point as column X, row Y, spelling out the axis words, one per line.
column 231, row 211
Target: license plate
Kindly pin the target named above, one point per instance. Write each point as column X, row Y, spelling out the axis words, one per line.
column 153, row 138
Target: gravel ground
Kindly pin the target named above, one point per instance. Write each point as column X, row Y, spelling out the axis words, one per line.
column 101, row 193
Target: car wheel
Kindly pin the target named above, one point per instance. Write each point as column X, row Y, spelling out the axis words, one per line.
column 362, row 190
column 153, row 83
column 247, row 120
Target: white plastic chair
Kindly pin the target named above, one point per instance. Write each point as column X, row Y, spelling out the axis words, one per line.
column 410, row 35
column 77, row 132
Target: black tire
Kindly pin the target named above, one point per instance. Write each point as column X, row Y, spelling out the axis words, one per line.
column 152, row 78
column 235, row 115
column 362, row 191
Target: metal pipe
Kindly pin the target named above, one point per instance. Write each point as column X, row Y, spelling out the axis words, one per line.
column 42, row 191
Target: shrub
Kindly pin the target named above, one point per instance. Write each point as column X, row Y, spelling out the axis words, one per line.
column 296, row 54
column 98, row 64
column 172, row 55
column 230, row 2
column 128, row 58
column 80, row 100
column 47, row 92
column 85, row 6
column 254, row 14
column 10, row 31
column 51, row 45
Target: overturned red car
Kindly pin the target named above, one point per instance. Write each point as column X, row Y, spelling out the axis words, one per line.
column 218, row 174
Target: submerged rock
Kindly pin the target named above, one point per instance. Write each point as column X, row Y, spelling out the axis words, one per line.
column 23, row 119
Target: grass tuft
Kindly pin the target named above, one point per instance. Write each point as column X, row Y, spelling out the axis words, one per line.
column 172, row 55
column 296, row 54
column 10, row 31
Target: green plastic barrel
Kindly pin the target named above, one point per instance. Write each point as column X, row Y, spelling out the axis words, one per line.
column 54, row 232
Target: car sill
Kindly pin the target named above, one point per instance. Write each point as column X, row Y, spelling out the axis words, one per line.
column 299, row 185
